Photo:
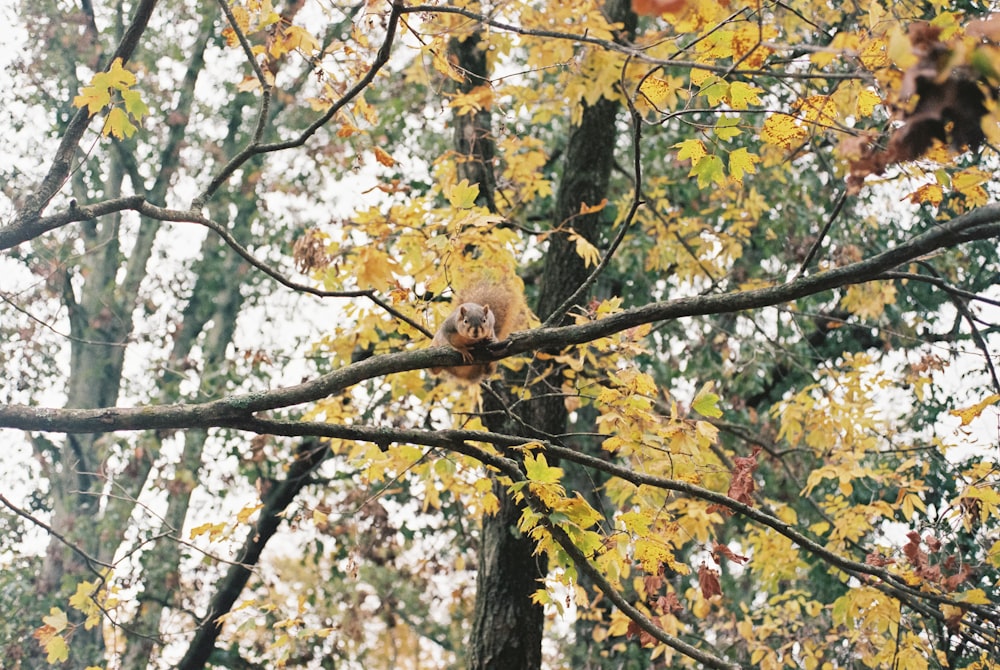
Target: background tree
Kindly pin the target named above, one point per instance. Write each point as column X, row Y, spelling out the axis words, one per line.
column 759, row 243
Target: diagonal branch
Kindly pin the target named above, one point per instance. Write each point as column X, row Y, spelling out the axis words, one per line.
column 26, row 223
column 255, row 147
column 311, row 455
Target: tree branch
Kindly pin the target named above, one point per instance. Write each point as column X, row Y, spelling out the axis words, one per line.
column 983, row 223
column 254, row 148
column 25, row 226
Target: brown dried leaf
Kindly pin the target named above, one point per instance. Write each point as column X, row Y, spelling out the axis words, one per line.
column 720, row 550
column 708, row 581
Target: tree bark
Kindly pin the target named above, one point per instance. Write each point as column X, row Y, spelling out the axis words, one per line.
column 508, row 627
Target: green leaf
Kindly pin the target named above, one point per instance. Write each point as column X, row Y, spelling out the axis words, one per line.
column 706, row 402
column 709, row 170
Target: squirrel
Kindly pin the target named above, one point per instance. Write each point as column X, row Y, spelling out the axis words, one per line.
column 487, row 312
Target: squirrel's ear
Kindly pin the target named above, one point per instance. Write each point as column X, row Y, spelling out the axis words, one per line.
column 461, row 311
column 486, row 309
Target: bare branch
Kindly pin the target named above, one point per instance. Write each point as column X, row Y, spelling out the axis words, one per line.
column 255, row 148
column 90, row 561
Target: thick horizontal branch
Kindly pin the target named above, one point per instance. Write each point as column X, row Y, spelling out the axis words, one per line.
column 983, row 223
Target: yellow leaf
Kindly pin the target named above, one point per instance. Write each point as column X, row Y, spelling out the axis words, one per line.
column 242, row 22
column 56, row 619
column 972, row 597
column 212, row 529
column 462, row 195
column 243, row 516
column 490, row 503
column 931, row 194
column 900, row 49
column 292, row 38
column 715, row 89
column 690, row 149
column 657, row 91
column 782, row 130
column 742, row 95
column 968, row 181
column 134, row 104
column 709, row 170
column 587, row 251
column 93, row 98
column 56, row 650
column 539, row 471
column 651, row 553
column 727, row 128
column 993, row 555
column 82, row 600
column 117, row 124
column 969, row 413
column 866, row 102
column 868, row 300
column 116, row 76
column 742, row 162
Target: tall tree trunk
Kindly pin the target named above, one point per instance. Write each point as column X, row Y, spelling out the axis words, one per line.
column 508, row 627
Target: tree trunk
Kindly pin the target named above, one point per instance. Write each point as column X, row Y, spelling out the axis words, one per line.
column 508, row 627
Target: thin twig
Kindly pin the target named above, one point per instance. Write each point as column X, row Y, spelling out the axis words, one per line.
column 626, row 224
column 87, row 558
column 822, row 234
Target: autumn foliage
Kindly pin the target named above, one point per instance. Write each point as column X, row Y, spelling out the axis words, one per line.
column 749, row 419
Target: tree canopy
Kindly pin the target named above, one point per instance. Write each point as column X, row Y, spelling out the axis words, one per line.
column 751, row 421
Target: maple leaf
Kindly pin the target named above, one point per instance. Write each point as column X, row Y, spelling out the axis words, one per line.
column 690, row 149
column 242, row 18
column 117, row 124
column 384, row 158
column 866, row 102
column 56, row 620
column 94, row 98
column 968, row 414
column 587, row 251
column 708, row 581
column 706, row 403
column 462, row 195
column 658, row 92
column 782, row 130
column 726, row 128
column 742, row 162
column 134, row 104
column 709, row 170
column 539, row 471
column 742, row 95
column 669, row 604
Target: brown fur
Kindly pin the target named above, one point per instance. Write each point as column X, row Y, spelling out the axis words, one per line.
column 486, row 312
